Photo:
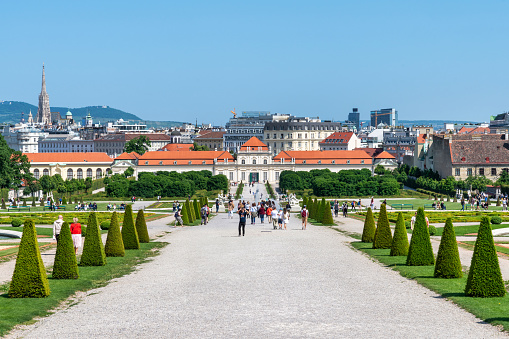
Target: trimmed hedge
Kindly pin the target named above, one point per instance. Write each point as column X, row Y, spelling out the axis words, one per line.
column 321, row 212
column 484, row 278
column 105, row 225
column 114, row 244
column 400, row 241
column 327, row 216
column 448, row 259
column 129, row 234
column 141, row 228
column 16, row 222
column 65, row 265
column 383, row 235
column 93, row 249
column 196, row 207
column 496, row 220
column 29, row 279
column 183, row 212
column 420, row 252
column 368, row 233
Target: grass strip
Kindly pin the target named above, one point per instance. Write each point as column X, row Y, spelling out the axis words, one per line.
column 491, row 310
column 19, row 311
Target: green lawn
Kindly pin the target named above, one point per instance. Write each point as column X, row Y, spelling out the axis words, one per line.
column 47, row 218
column 491, row 310
column 448, row 204
column 440, row 216
column 470, row 245
column 101, row 206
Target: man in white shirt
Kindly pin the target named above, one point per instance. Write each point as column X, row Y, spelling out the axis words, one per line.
column 304, row 213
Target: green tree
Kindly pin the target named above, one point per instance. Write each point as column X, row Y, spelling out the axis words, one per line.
column 88, row 184
column 304, row 201
column 448, row 259
column 323, row 206
column 185, row 216
column 93, row 248
column 114, row 244
column 65, row 265
column 141, row 227
column 484, row 278
column 29, row 279
column 420, row 252
column 14, row 167
column 33, row 202
column 139, row 145
column 129, row 234
column 380, row 170
column 197, row 147
column 327, row 216
column 368, row 233
column 190, row 211
column 196, row 208
column 383, row 235
column 400, row 241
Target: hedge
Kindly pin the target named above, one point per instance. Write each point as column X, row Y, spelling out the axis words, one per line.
column 65, row 265
column 183, row 212
column 129, row 234
column 93, row 249
column 448, row 259
column 368, row 233
column 141, row 228
column 383, row 235
column 114, row 244
column 420, row 252
column 327, row 216
column 400, row 241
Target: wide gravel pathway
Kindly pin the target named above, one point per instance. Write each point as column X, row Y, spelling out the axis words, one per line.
column 210, row 283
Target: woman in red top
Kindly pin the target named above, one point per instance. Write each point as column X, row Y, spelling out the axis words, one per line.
column 76, row 234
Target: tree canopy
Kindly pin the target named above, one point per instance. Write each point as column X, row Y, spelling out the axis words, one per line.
column 14, row 167
column 139, row 145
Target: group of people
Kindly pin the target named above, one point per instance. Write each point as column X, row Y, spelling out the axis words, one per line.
column 480, row 201
column 75, row 231
column 204, row 213
column 113, row 207
column 90, row 206
column 264, row 209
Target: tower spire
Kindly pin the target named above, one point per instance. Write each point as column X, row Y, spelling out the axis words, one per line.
column 43, row 111
column 43, row 89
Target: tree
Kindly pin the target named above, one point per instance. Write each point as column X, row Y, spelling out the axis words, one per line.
column 93, row 249
column 29, row 279
column 196, row 208
column 484, row 278
column 114, row 244
column 88, row 184
column 139, row 145
column 368, row 233
column 197, row 147
column 65, row 265
column 141, row 227
column 14, row 167
column 185, row 217
column 448, row 259
column 129, row 234
column 323, row 206
column 129, row 172
column 383, row 235
column 420, row 252
column 218, row 182
column 190, row 212
column 400, row 241
column 327, row 216
column 380, row 170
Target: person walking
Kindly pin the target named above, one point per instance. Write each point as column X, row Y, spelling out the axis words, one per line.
column 178, row 218
column 462, row 204
column 217, row 205
column 230, row 209
column 280, row 219
column 304, row 214
column 286, row 217
column 268, row 212
column 242, row 220
column 274, row 217
column 57, row 226
column 261, row 213
column 203, row 213
column 253, row 211
column 76, row 234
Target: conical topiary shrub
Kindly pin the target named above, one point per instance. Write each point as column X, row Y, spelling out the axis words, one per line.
column 310, row 208
column 196, row 207
column 65, row 265
column 190, row 212
column 3, row 205
column 304, row 201
column 383, row 235
column 129, row 234
column 420, row 252
column 400, row 241
column 114, row 244
column 315, row 208
column 321, row 211
column 327, row 216
column 42, row 202
column 141, row 228
column 33, row 202
column 64, row 201
column 24, row 202
column 484, row 278
column 183, row 212
column 93, row 249
column 368, row 233
column 448, row 259
column 29, row 279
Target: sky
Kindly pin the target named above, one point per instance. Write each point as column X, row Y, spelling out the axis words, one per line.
column 187, row 60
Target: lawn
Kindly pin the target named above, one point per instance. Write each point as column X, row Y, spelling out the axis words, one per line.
column 441, row 216
column 403, row 193
column 448, row 204
column 491, row 310
column 18, row 311
column 500, row 249
column 101, row 206
column 47, row 218
column 8, row 254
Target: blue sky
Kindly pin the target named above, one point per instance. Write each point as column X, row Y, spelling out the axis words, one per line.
column 181, row 60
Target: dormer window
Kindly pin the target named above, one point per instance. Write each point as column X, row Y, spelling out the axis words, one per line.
column 160, row 162
column 362, row 161
column 319, row 161
column 348, row 161
column 333, row 161
column 175, row 162
column 189, row 162
column 303, row 161
column 146, row 162
column 203, row 162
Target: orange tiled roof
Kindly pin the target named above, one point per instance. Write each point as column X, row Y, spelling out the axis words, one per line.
column 254, row 142
column 183, row 158
column 68, row 157
column 325, row 157
column 385, row 155
column 128, row 156
column 177, row 147
column 421, row 139
column 338, row 138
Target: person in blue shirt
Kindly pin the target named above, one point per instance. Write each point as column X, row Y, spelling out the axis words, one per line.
column 242, row 220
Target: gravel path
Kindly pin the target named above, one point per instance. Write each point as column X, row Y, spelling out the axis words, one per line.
column 210, row 283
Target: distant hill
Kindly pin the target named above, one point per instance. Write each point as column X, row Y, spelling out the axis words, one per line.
column 434, row 123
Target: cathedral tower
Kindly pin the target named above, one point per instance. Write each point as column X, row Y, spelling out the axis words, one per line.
column 43, row 112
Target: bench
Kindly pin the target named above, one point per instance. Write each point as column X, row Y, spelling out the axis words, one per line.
column 403, row 206
column 19, row 208
column 428, row 206
column 54, row 208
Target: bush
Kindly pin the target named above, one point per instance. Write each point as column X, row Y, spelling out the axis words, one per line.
column 105, row 225
column 383, row 235
column 496, row 220
column 24, row 202
column 29, row 279
column 33, row 202
column 65, row 265
column 400, row 241
column 484, row 278
column 141, row 227
column 93, row 249
column 196, row 207
column 408, row 224
column 129, row 234
column 420, row 252
column 432, row 230
column 16, row 222
column 327, row 216
column 368, row 233
column 183, row 212
column 3, row 204
column 64, row 201
column 448, row 258
column 83, row 230
column 114, row 245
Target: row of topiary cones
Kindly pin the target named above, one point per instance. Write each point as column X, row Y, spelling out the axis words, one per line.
column 30, row 280
column 484, row 277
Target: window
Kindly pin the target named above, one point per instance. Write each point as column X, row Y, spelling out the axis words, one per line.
column 275, row 136
column 300, row 144
column 189, row 162
column 481, row 171
column 469, row 172
column 45, row 172
column 243, row 162
column 36, row 174
column 254, row 161
column 493, row 171
column 243, row 176
column 277, row 175
column 282, row 137
column 175, row 162
column 362, row 161
column 265, row 176
column 160, row 162
column 457, row 172
column 268, row 136
column 312, row 135
column 98, row 173
column 146, row 162
column 348, row 161
column 231, row 176
column 265, row 161
column 79, row 173
column 69, row 174
column 319, row 161
column 299, row 136
column 333, row 161
column 303, row 161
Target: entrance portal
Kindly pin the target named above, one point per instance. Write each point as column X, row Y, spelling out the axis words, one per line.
column 253, row 177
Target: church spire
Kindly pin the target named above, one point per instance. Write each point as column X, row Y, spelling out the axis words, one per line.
column 43, row 90
column 43, row 111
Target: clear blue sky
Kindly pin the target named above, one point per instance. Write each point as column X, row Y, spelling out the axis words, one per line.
column 177, row 60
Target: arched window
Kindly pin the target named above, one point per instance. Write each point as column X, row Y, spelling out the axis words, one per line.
column 243, row 161
column 89, row 173
column 79, row 173
column 45, row 172
column 69, row 174
column 254, row 161
column 265, row 161
column 36, row 174
column 98, row 174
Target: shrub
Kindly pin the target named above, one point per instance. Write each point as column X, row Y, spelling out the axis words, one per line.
column 105, row 225
column 93, row 249
column 129, row 234
column 484, row 278
column 498, row 204
column 29, row 279
column 304, row 201
column 432, row 230
column 114, row 245
column 420, row 252
column 65, row 265
column 185, row 218
column 196, row 207
column 383, row 235
column 368, row 233
column 496, row 220
column 327, row 216
column 321, row 212
column 3, row 204
column 408, row 224
column 42, row 202
column 64, row 201
column 141, row 227
column 33, row 202
column 448, row 259
column 83, row 230
column 75, row 200
column 16, row 222
column 400, row 241
column 190, row 212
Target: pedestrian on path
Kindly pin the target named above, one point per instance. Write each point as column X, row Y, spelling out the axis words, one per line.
column 76, row 234
column 253, row 211
column 178, row 218
column 274, row 217
column 280, row 217
column 242, row 220
column 217, row 205
column 269, row 214
column 203, row 213
column 230, row 209
column 261, row 213
column 304, row 214
column 286, row 217
column 57, row 226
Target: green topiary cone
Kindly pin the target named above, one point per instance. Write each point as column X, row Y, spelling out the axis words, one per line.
column 93, row 249
column 484, row 278
column 383, row 235
column 400, row 241
column 420, row 252
column 65, row 265
column 368, row 233
column 141, row 227
column 327, row 216
column 321, row 211
column 114, row 244
column 33, row 202
column 183, row 212
column 196, row 208
column 448, row 259
column 129, row 234
column 29, row 279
